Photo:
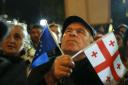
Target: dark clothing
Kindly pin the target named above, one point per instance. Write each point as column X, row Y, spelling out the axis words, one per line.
column 12, row 71
column 83, row 74
column 37, row 74
column 124, row 80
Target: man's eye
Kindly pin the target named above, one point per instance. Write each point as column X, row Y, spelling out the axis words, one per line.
column 81, row 31
column 68, row 31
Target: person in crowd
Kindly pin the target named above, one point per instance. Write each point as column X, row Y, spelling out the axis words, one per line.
column 101, row 30
column 124, row 80
column 119, row 34
column 122, row 28
column 120, row 43
column 55, row 28
column 35, row 32
column 125, row 43
column 13, row 69
column 65, row 70
column 119, row 38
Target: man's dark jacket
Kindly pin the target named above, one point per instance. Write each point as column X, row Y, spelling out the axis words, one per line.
column 83, row 74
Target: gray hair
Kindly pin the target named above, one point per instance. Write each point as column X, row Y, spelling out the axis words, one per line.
column 23, row 26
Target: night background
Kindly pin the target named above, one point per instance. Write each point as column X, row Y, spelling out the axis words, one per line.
column 119, row 12
column 31, row 11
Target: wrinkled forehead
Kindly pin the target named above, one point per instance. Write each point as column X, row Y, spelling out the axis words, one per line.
column 35, row 29
column 77, row 25
column 15, row 29
column 122, row 29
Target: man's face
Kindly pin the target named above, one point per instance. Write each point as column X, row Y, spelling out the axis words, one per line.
column 119, row 40
column 122, row 30
column 13, row 43
column 75, row 38
column 35, row 35
column 54, row 29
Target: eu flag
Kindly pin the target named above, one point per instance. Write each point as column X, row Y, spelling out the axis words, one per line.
column 47, row 48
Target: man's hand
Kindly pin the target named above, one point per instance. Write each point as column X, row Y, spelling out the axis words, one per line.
column 62, row 66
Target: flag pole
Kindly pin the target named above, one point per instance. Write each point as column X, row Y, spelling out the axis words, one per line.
column 77, row 53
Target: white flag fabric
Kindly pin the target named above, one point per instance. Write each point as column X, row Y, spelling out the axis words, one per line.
column 105, row 58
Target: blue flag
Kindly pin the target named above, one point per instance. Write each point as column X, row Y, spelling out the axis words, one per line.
column 47, row 49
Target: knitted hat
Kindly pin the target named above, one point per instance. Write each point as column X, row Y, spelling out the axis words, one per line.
column 73, row 19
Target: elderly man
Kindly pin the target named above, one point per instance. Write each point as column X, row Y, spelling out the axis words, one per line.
column 77, row 34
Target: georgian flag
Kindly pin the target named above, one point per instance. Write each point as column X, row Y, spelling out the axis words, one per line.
column 105, row 58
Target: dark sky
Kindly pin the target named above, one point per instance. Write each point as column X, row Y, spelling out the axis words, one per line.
column 118, row 12
column 31, row 11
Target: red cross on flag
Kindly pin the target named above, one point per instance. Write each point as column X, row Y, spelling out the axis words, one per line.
column 105, row 58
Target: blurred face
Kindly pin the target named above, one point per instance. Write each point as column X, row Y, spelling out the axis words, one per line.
column 75, row 38
column 122, row 30
column 54, row 29
column 35, row 35
column 102, row 30
column 119, row 40
column 13, row 43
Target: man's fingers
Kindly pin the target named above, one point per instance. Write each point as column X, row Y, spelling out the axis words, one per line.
column 65, row 69
column 62, row 74
column 67, row 61
column 63, row 66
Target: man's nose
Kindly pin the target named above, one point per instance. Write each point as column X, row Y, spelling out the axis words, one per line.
column 74, row 33
column 36, row 34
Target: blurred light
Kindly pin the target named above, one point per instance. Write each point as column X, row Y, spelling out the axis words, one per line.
column 15, row 21
column 110, row 28
column 9, row 21
column 123, row 1
column 43, row 22
column 127, row 13
column 5, row 16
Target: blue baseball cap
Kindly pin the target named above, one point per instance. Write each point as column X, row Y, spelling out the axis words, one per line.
column 73, row 19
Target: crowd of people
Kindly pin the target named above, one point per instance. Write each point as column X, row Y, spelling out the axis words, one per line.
column 16, row 58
